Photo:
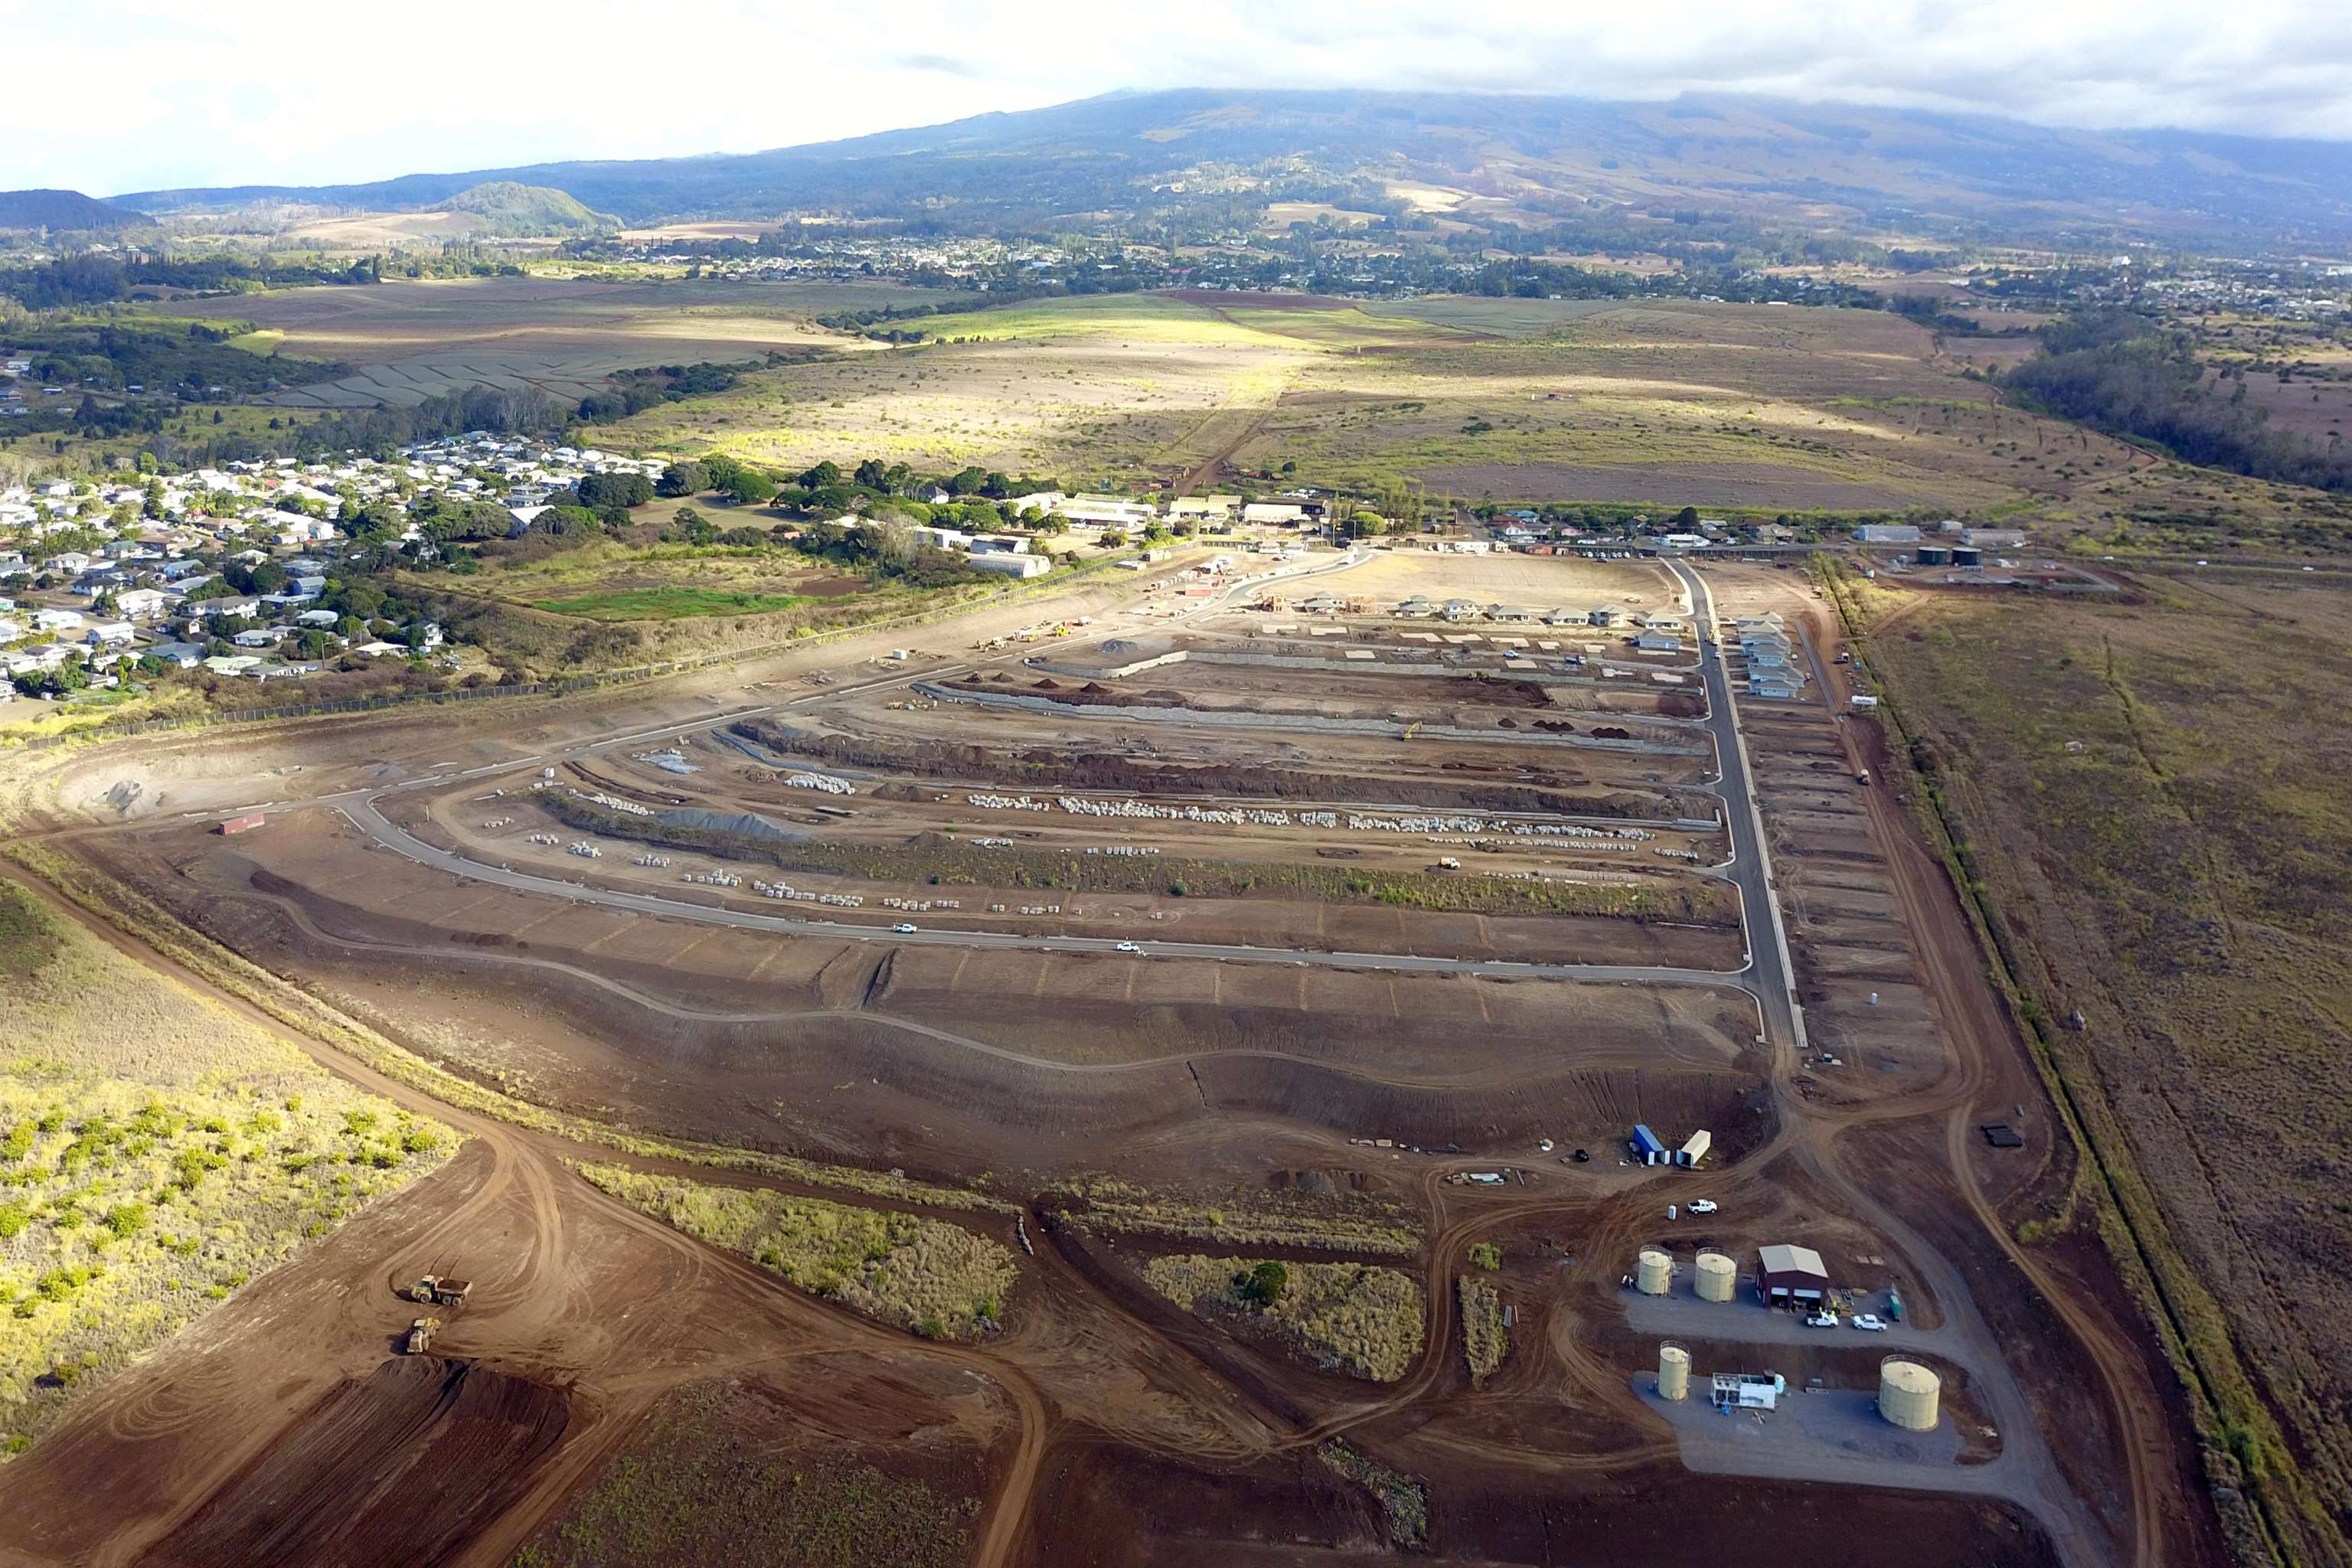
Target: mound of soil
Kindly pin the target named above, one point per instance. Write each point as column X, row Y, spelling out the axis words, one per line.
column 404, row 1467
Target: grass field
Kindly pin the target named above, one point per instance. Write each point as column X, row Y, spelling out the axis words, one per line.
column 156, row 1152
column 611, row 580
column 669, row 603
column 1660, row 403
column 411, row 340
column 1355, row 1318
column 2151, row 803
column 192, row 425
column 936, row 1279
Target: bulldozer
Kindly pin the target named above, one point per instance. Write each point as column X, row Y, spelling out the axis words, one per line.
column 420, row 1334
column 440, row 1290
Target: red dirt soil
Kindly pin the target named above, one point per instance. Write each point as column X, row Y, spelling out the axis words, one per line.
column 400, row 1468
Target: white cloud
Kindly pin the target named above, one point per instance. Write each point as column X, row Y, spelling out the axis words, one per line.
column 140, row 94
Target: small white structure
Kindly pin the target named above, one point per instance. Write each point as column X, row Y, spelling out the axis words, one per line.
column 1008, row 565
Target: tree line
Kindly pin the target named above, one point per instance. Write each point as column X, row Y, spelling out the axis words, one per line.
column 2120, row 372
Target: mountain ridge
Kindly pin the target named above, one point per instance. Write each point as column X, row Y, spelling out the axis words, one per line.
column 1869, row 168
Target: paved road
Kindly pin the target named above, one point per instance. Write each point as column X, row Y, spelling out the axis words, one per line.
column 1771, row 973
column 365, row 816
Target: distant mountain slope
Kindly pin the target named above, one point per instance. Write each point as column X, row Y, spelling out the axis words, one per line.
column 66, row 210
column 1522, row 159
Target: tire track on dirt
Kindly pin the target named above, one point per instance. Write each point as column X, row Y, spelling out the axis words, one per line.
column 545, row 1295
column 1980, row 1035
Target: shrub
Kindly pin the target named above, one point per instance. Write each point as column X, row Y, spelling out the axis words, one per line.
column 1264, row 1283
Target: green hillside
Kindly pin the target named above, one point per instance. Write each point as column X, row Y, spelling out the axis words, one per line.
column 511, row 209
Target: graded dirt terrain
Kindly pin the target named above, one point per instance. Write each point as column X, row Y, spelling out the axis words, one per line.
column 1337, row 1053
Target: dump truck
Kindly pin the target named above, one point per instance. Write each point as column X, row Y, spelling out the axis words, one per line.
column 440, row 1290
column 420, row 1334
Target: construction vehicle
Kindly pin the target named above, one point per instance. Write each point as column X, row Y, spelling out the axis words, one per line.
column 440, row 1290
column 1862, row 775
column 420, row 1334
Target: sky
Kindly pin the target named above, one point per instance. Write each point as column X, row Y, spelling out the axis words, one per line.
column 115, row 96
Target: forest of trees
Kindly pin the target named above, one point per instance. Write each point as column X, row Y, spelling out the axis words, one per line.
column 2121, row 372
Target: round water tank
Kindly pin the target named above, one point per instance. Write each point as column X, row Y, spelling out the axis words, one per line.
column 1673, row 1372
column 1908, row 1395
column 1718, row 1276
column 1654, row 1271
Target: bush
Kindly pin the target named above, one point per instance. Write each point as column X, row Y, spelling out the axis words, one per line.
column 1263, row 1284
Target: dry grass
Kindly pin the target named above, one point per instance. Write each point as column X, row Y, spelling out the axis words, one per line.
column 1250, row 1219
column 1485, row 1341
column 1356, row 1318
column 156, row 1152
column 2149, row 806
column 694, row 1489
column 1404, row 1500
column 936, row 1279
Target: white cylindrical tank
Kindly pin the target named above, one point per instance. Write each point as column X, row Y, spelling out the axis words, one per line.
column 1653, row 1272
column 1908, row 1395
column 1673, row 1372
column 1718, row 1276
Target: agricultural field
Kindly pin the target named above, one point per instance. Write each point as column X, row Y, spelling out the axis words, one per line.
column 1740, row 408
column 411, row 340
column 2150, row 797
column 159, row 1153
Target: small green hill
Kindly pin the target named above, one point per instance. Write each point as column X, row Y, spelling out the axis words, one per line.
column 518, row 211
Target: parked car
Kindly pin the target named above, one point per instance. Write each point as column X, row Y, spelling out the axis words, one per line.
column 903, row 928
column 1129, row 947
column 1823, row 1320
column 1703, row 1205
column 1870, row 1321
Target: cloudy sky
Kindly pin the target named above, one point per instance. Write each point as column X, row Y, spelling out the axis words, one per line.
column 112, row 96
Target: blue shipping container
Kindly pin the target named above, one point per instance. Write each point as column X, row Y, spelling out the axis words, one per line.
column 1646, row 1142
